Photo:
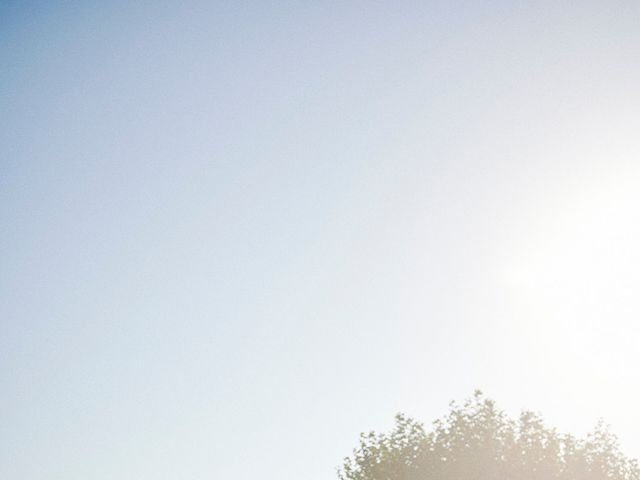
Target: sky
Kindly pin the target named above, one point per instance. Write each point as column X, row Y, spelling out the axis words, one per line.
column 234, row 235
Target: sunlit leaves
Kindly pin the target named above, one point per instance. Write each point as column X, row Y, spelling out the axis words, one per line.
column 476, row 441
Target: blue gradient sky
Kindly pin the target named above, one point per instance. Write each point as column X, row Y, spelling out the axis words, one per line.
column 236, row 235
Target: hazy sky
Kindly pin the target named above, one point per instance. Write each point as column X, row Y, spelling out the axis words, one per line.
column 234, row 235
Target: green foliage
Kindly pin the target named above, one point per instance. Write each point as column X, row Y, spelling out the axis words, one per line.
column 476, row 441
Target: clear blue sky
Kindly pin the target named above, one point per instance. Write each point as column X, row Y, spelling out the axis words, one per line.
column 234, row 235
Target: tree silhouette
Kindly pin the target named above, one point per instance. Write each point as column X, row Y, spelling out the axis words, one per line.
column 476, row 441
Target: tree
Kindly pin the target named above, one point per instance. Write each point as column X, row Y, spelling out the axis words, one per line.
column 477, row 441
